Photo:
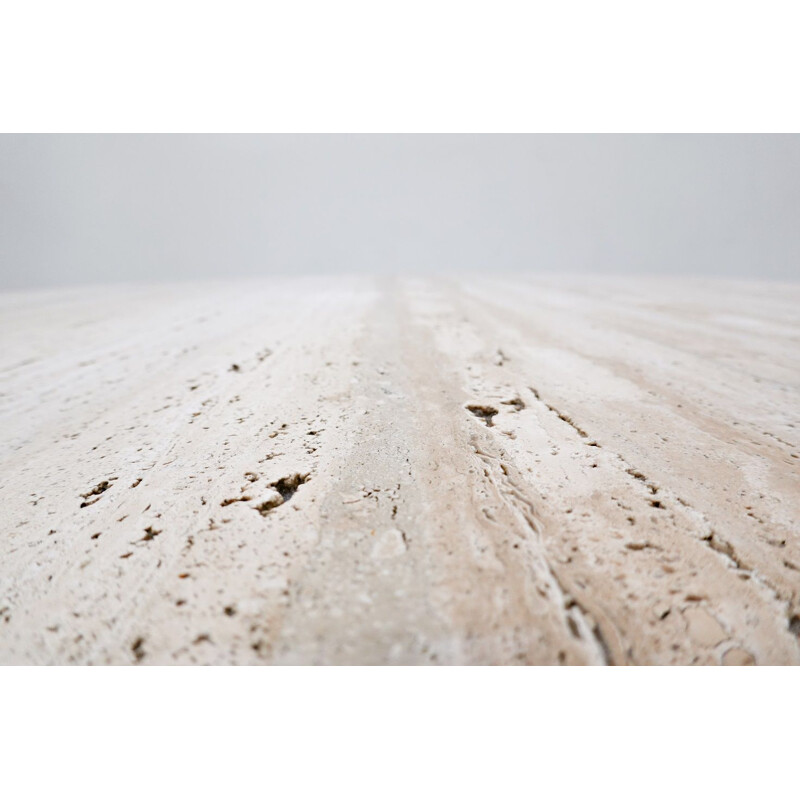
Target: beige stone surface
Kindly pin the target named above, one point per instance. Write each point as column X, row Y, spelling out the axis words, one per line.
column 487, row 470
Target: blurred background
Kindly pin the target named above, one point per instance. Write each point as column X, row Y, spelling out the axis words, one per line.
column 81, row 209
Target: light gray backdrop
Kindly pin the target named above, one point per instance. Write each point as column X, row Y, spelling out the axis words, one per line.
column 98, row 208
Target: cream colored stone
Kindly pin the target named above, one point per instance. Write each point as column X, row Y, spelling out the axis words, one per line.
column 365, row 471
column 703, row 628
column 736, row 657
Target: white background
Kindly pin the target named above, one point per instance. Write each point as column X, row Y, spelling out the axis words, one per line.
column 417, row 65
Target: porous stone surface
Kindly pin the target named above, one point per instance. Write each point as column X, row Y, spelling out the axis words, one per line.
column 477, row 470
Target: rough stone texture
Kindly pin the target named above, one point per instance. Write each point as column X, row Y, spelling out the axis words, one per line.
column 364, row 471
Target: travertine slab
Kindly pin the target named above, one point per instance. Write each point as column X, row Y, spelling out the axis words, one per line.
column 375, row 471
